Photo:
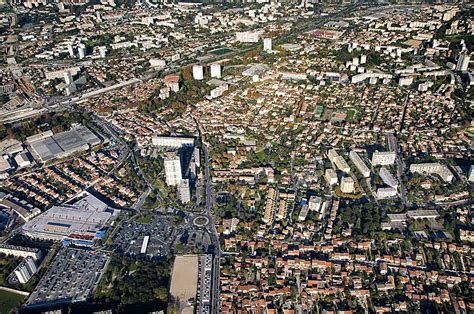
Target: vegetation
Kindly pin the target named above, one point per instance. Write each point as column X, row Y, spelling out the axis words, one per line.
column 129, row 281
column 9, row 301
column 57, row 122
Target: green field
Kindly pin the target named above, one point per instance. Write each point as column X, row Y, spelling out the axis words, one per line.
column 9, row 300
column 353, row 115
column 220, row 51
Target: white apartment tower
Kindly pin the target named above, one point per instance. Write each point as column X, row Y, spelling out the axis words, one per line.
column 68, row 77
column 82, row 51
column 267, row 45
column 198, row 72
column 463, row 62
column 216, row 70
column 173, row 171
column 383, row 158
column 184, row 191
column 347, row 185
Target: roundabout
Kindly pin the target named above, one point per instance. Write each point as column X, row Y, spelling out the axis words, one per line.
column 200, row 221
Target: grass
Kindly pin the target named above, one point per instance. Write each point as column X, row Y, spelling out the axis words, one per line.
column 144, row 219
column 9, row 300
column 353, row 115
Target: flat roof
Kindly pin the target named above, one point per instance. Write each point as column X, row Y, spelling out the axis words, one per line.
column 64, row 143
column 60, row 221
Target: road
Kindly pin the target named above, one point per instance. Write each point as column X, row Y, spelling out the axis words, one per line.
column 58, row 104
column 392, row 143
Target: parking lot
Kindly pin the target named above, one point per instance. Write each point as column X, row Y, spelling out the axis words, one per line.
column 129, row 239
column 72, row 277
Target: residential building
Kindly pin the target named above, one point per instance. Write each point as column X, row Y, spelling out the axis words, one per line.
column 433, row 168
column 330, row 176
column 383, row 158
column 173, row 170
column 360, row 164
column 347, row 185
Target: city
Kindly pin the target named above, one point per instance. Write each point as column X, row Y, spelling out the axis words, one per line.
column 236, row 157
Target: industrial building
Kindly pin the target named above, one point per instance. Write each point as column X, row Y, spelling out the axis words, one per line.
column 63, row 144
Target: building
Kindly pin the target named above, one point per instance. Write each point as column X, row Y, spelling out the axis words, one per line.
column 172, row 82
column 433, row 168
column 82, row 51
column 25, row 270
column 341, row 164
column 247, row 37
column 330, row 176
column 5, row 165
column 157, row 63
column 198, row 72
column 385, row 193
column 339, row 161
column 292, row 76
column 303, row 212
column 20, row 251
column 173, row 170
column 315, row 203
column 229, row 225
column 332, row 155
column 68, row 77
column 63, row 144
column 256, row 70
column 144, row 246
column 267, row 44
column 463, row 62
column 216, row 70
column 81, row 223
column 22, row 160
column 470, row 176
column 23, row 209
column 388, row 178
column 359, row 163
column 423, row 214
column 172, row 141
column 347, row 185
column 383, row 158
column 184, row 191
